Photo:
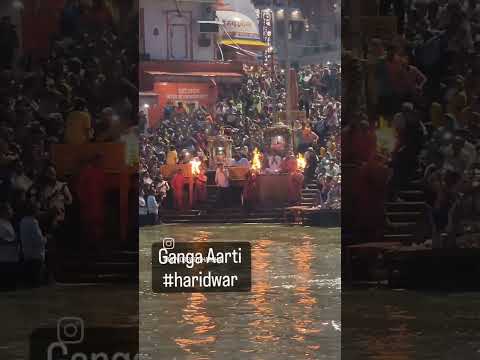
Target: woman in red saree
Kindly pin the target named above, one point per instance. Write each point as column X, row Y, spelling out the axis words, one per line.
column 200, row 194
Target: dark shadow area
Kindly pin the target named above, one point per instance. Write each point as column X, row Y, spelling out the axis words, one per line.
column 68, row 168
column 410, row 141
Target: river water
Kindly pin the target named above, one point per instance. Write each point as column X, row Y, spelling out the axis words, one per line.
column 384, row 324
column 292, row 312
column 25, row 310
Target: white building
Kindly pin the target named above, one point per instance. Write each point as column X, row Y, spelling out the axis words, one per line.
column 169, row 30
column 189, row 49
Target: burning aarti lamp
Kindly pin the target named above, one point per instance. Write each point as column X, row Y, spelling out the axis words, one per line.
column 301, row 162
column 256, row 161
column 279, row 137
column 219, row 150
column 196, row 164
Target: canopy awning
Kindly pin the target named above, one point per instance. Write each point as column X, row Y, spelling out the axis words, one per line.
column 194, row 74
column 244, row 42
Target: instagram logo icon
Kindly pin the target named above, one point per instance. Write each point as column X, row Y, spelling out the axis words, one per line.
column 168, row 243
column 70, row 330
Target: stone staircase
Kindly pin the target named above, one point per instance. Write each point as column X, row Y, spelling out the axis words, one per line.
column 309, row 195
column 208, row 213
column 112, row 267
column 227, row 215
column 404, row 215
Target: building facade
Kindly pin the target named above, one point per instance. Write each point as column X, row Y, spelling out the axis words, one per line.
column 190, row 48
column 314, row 29
column 169, row 30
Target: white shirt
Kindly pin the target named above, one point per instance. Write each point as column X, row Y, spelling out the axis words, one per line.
column 163, row 187
column 57, row 196
column 333, row 171
column 221, row 178
column 22, row 182
column 8, row 244
column 274, row 163
column 142, row 206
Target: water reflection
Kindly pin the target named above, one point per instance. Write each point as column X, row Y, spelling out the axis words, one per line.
column 383, row 324
column 261, row 289
column 196, row 315
column 292, row 312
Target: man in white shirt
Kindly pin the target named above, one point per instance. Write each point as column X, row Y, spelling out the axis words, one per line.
column 333, row 169
column 162, row 188
column 142, row 209
column 223, row 184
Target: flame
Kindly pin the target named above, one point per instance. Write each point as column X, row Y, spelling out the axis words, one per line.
column 256, row 162
column 301, row 162
column 386, row 138
column 195, row 166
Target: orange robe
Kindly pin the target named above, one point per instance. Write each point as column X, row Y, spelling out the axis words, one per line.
column 91, row 189
column 371, row 194
column 178, row 183
column 295, row 185
column 250, row 192
column 201, row 188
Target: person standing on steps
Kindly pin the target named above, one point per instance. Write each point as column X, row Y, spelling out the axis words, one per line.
column 223, row 184
column 178, row 183
column 152, row 207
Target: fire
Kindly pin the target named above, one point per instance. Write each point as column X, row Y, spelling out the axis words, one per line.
column 386, row 138
column 196, row 164
column 256, row 161
column 301, row 162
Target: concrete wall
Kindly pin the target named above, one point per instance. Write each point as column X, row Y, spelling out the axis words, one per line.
column 155, row 17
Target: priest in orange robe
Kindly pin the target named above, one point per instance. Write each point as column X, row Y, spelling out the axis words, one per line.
column 178, row 183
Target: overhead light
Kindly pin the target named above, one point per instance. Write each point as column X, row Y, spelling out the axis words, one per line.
column 17, row 4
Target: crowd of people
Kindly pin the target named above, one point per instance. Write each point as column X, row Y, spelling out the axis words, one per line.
column 83, row 91
column 242, row 114
column 424, row 85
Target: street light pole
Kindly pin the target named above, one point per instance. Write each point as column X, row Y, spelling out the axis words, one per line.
column 273, row 48
column 286, row 19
